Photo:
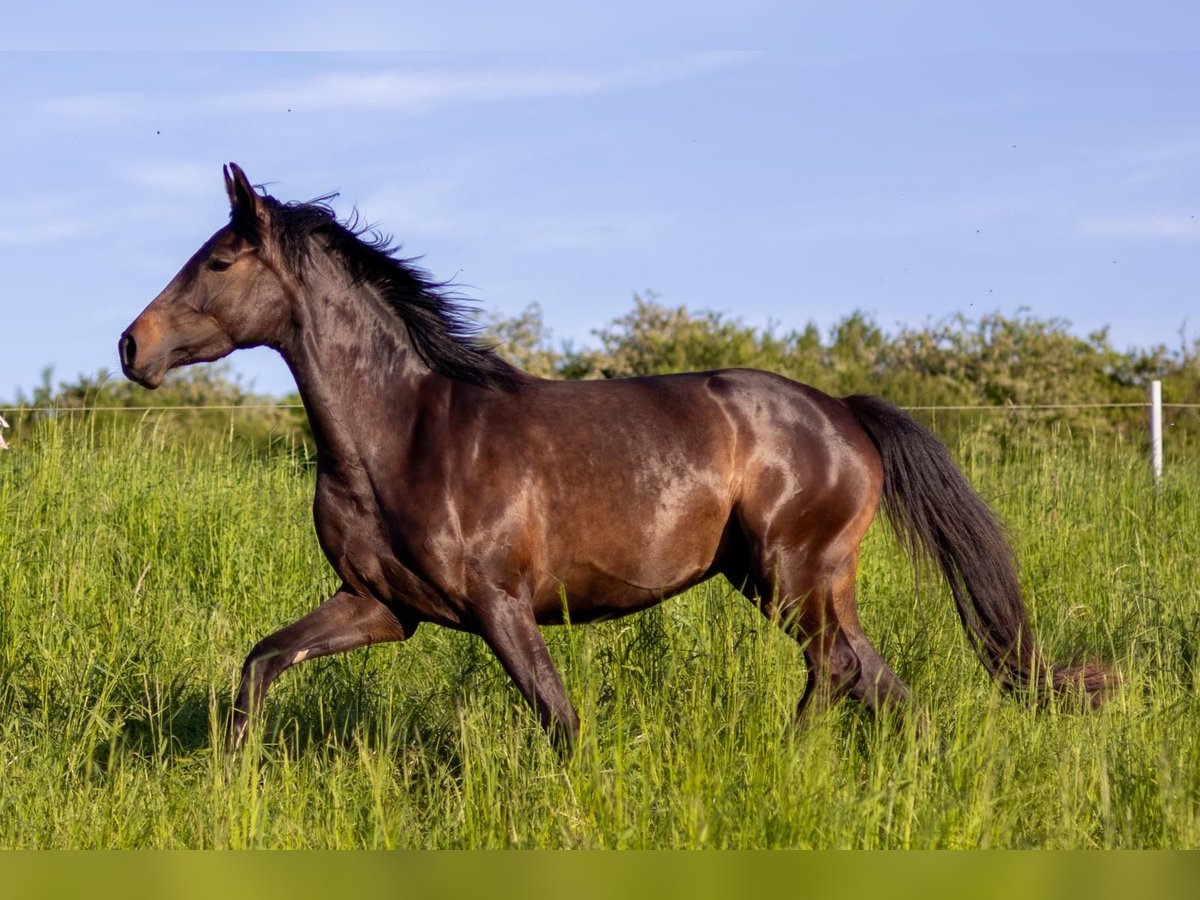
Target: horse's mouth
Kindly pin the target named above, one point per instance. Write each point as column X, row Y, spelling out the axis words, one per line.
column 150, row 381
column 148, row 377
column 149, row 369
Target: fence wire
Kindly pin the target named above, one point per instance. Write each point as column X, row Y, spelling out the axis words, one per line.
column 214, row 407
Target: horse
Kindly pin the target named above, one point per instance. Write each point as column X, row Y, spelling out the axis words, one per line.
column 453, row 488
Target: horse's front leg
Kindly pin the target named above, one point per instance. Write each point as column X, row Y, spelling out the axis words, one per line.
column 343, row 622
column 508, row 626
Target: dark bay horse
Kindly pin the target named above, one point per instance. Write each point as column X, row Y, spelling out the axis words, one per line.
column 456, row 489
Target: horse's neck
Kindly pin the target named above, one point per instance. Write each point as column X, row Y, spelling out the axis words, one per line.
column 354, row 365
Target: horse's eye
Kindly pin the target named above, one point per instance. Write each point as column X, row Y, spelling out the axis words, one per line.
column 219, row 265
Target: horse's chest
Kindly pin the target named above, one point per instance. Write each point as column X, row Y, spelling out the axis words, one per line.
column 362, row 544
column 349, row 526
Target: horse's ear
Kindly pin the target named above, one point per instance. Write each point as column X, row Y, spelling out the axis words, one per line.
column 243, row 199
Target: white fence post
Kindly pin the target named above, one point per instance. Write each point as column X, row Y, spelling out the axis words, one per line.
column 1156, row 461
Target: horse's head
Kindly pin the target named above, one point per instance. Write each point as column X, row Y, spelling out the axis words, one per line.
column 230, row 294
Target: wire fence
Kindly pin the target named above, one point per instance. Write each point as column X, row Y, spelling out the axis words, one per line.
column 218, row 407
column 201, row 407
column 1153, row 405
column 51, row 411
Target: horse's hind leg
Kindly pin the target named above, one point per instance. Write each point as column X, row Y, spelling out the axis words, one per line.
column 816, row 606
column 343, row 622
column 803, row 604
column 877, row 686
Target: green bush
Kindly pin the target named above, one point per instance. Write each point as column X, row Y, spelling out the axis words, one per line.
column 1018, row 362
column 1015, row 361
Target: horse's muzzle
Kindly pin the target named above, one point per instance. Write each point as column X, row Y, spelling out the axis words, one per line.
column 138, row 365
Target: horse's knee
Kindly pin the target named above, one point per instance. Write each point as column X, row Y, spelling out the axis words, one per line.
column 267, row 653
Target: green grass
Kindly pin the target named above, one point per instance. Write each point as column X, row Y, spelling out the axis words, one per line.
column 135, row 574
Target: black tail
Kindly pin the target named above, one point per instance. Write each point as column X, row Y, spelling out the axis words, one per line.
column 937, row 514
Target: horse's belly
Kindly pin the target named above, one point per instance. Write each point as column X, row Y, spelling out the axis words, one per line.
column 632, row 564
column 602, row 598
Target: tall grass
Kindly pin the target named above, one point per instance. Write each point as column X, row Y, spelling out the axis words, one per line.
column 136, row 573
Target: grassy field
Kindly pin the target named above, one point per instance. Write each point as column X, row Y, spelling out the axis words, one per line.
column 135, row 574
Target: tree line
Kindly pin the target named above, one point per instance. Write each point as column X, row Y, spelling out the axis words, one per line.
column 995, row 360
column 1012, row 362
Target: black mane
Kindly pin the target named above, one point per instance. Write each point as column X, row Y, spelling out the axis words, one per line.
column 438, row 324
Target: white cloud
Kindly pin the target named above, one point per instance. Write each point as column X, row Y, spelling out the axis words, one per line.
column 97, row 214
column 420, row 90
column 49, row 219
column 1005, row 102
column 180, row 178
column 1143, row 226
column 572, row 232
column 429, row 207
column 1182, row 151
column 1143, row 166
column 445, row 207
column 94, row 106
column 411, row 85
column 44, row 229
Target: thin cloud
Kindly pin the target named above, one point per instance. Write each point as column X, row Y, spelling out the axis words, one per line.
column 979, row 106
column 94, row 106
column 419, row 91
column 1148, row 164
column 1143, row 226
column 45, row 230
column 430, row 207
column 1185, row 151
column 50, row 219
column 413, row 214
column 93, row 215
column 575, row 232
column 183, row 179
column 414, row 89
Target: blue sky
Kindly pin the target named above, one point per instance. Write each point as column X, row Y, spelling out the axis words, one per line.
column 772, row 184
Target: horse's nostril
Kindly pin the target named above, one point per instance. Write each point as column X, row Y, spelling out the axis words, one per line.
column 128, row 350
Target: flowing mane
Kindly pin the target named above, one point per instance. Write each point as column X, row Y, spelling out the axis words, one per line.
column 438, row 323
